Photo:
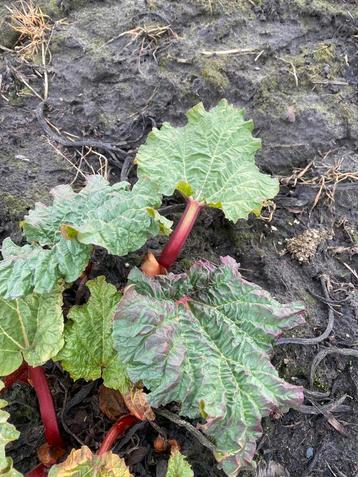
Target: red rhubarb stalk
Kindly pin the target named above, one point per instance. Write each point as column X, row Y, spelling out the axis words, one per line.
column 47, row 409
column 116, row 431
column 21, row 374
column 180, row 234
column 38, row 471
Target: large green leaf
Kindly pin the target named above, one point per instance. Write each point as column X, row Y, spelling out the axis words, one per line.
column 33, row 268
column 212, row 159
column 31, row 329
column 178, row 466
column 113, row 217
column 8, row 433
column 203, row 339
column 88, row 352
column 82, row 463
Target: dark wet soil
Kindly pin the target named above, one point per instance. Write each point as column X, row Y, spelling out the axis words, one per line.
column 296, row 76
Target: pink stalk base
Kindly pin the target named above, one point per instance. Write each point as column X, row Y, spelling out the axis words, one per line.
column 47, row 409
column 116, row 431
column 180, row 234
column 38, row 471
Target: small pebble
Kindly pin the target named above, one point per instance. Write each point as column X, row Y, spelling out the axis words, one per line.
column 309, row 452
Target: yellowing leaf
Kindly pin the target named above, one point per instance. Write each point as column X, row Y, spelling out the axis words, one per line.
column 83, row 463
column 31, row 329
column 211, row 158
column 88, row 352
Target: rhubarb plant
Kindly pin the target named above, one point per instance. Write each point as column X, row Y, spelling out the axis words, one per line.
column 202, row 338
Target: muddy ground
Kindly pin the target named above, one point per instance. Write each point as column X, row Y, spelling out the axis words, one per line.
column 296, row 75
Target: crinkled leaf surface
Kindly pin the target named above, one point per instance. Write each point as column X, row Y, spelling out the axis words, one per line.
column 178, row 466
column 203, row 339
column 31, row 329
column 88, row 352
column 82, row 463
column 113, row 217
column 33, row 268
column 8, row 433
column 211, row 158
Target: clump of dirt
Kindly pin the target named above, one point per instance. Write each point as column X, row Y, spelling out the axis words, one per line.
column 293, row 67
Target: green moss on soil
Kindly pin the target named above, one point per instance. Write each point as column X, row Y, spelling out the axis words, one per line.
column 13, row 205
column 323, row 7
column 212, row 70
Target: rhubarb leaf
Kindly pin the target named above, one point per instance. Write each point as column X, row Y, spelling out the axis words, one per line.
column 203, row 339
column 8, row 433
column 33, row 269
column 88, row 352
column 178, row 466
column 211, row 158
column 116, row 217
column 82, row 462
column 31, row 329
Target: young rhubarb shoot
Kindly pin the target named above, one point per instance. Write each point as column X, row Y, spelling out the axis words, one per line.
column 178, row 238
column 47, row 409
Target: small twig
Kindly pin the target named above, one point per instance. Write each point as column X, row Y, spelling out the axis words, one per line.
column 20, row 77
column 234, row 51
column 189, row 427
column 316, row 339
column 334, row 82
column 43, row 52
column 294, row 72
column 325, row 352
column 259, row 55
column 4, row 48
column 335, row 406
column 129, row 435
column 78, row 169
column 126, row 168
column 63, row 413
column 319, row 395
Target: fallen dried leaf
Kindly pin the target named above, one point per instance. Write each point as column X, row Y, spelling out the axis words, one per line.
column 111, row 403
